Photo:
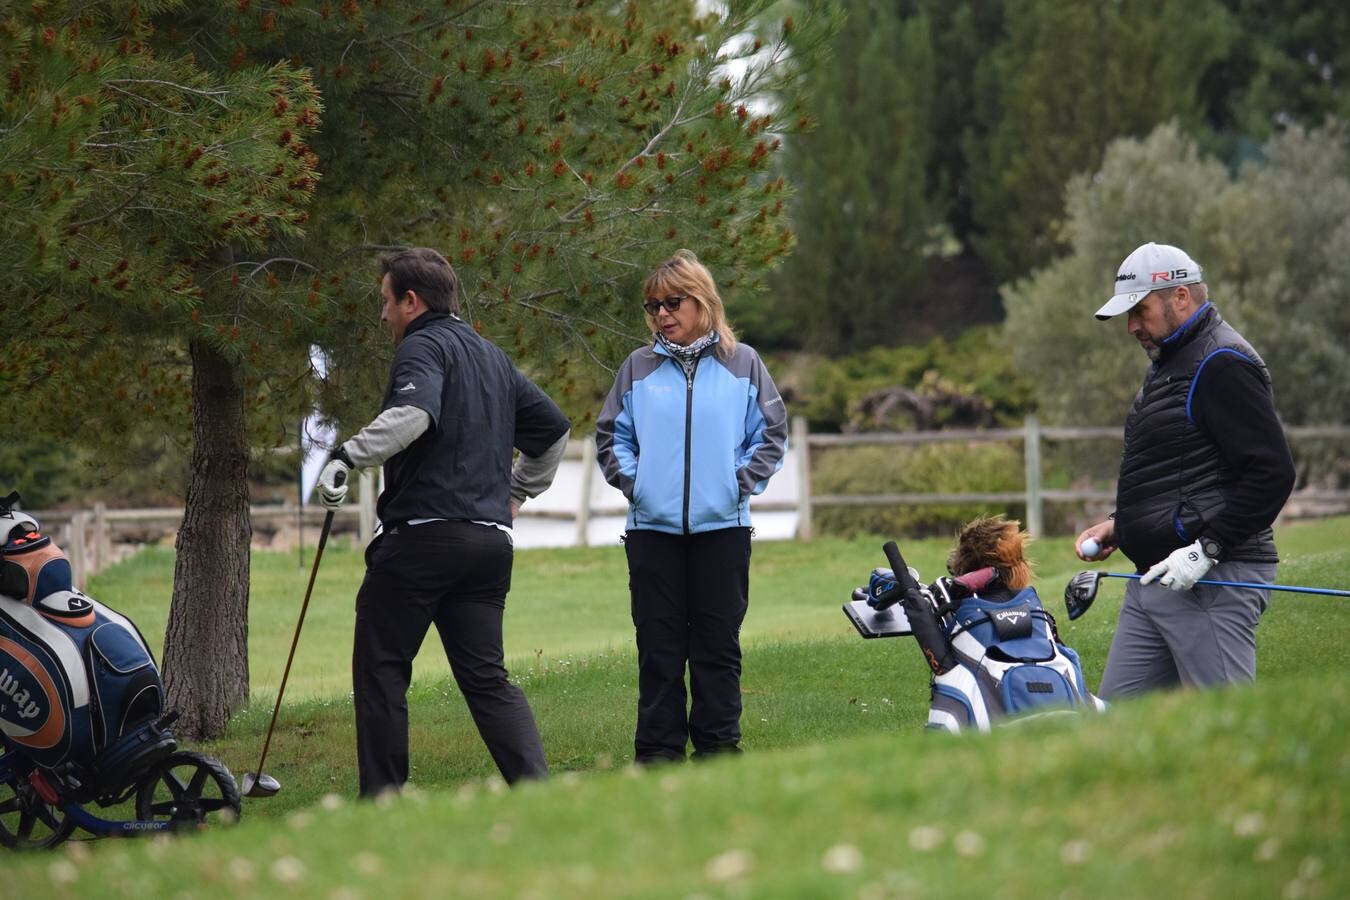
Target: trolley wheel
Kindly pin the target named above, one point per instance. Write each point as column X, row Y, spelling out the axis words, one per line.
column 27, row 822
column 188, row 790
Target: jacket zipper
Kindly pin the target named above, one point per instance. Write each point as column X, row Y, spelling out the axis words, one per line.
column 688, row 435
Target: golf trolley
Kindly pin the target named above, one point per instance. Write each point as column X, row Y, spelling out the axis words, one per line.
column 172, row 789
column 82, row 715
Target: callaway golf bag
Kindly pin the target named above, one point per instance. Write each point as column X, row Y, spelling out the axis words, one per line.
column 993, row 652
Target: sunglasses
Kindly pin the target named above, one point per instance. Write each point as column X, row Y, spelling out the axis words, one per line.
column 670, row 304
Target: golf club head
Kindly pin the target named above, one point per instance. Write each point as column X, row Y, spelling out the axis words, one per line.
column 1080, row 592
column 259, row 784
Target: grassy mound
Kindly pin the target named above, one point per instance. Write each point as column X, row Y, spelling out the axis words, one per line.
column 1238, row 792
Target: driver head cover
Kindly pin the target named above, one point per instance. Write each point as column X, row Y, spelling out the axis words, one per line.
column 14, row 522
column 1151, row 267
column 993, row 541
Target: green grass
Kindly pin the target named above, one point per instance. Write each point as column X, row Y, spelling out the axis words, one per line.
column 563, row 603
column 1237, row 793
column 573, row 603
column 1227, row 793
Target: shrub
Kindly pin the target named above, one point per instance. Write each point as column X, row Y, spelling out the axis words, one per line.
column 973, row 371
column 927, row 468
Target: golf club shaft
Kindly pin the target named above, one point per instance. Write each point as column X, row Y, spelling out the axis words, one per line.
column 1250, row 584
column 314, row 570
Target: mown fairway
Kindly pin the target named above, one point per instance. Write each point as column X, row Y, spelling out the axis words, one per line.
column 1231, row 793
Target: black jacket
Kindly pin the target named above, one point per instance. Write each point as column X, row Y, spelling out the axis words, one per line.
column 1205, row 455
column 480, row 406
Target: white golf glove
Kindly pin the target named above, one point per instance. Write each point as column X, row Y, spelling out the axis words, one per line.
column 1181, row 570
column 332, row 487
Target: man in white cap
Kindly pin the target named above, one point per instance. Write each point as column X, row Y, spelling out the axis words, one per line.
column 1205, row 471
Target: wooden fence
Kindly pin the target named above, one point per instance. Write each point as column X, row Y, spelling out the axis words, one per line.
column 1032, row 436
column 86, row 536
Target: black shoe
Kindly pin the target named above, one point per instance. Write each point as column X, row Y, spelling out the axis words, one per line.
column 706, row 753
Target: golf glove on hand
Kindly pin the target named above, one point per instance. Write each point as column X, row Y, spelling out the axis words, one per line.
column 332, row 487
column 1181, row 570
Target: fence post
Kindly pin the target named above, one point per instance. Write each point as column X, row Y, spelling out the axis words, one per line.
column 587, row 475
column 78, row 554
column 801, row 442
column 366, row 492
column 102, row 544
column 1031, row 451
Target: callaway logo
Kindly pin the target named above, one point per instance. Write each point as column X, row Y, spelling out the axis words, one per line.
column 407, row 387
column 1174, row 275
column 9, row 686
column 1011, row 616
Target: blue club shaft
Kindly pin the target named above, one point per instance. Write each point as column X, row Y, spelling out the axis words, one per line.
column 1251, row 584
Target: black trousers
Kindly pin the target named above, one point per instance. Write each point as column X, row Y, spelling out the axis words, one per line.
column 689, row 596
column 454, row 575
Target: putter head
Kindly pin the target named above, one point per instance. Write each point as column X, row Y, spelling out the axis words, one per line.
column 259, row 784
column 1080, row 592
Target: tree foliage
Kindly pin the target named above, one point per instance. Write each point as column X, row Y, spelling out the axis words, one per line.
column 197, row 191
column 1274, row 242
column 1290, row 64
column 864, row 216
column 949, row 157
column 1066, row 80
column 125, row 172
column 555, row 151
column 966, row 382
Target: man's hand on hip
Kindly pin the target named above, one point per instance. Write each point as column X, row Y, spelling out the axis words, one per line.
column 332, row 487
column 1181, row 570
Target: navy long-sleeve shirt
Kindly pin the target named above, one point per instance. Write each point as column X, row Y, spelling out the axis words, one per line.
column 1231, row 403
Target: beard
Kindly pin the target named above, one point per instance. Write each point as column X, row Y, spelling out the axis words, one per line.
column 1153, row 347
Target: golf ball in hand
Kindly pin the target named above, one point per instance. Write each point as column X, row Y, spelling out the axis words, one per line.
column 1089, row 547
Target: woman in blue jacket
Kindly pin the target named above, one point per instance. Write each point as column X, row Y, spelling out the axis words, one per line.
column 692, row 427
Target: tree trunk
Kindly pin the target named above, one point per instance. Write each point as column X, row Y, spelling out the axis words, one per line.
column 206, row 640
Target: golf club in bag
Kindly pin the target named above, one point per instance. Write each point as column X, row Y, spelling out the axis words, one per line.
column 1082, row 589
column 258, row 783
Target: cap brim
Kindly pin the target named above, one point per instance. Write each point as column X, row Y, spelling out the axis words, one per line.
column 1120, row 303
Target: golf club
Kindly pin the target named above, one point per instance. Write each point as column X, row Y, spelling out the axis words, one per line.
column 1082, row 589
column 259, row 783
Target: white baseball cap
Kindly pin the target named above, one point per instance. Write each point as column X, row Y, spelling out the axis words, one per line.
column 1152, row 267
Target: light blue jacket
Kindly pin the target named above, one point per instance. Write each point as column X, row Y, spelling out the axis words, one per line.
column 689, row 452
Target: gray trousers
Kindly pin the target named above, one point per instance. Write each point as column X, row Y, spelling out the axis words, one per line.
column 1204, row 636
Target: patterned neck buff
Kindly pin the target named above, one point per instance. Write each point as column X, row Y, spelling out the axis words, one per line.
column 687, row 355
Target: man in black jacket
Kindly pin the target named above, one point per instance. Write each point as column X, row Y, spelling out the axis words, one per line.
column 1205, row 471
column 454, row 409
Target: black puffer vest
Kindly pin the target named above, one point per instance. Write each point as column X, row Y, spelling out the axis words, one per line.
column 1172, row 478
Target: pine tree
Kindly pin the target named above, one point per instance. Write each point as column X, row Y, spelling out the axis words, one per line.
column 863, row 210
column 198, row 190
column 1066, row 79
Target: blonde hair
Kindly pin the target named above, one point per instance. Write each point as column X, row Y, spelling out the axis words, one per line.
column 993, row 541
column 684, row 274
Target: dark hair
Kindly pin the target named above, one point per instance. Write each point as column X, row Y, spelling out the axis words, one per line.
column 425, row 271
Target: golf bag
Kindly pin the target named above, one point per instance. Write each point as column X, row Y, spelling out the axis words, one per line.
column 1008, row 660
column 79, row 688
